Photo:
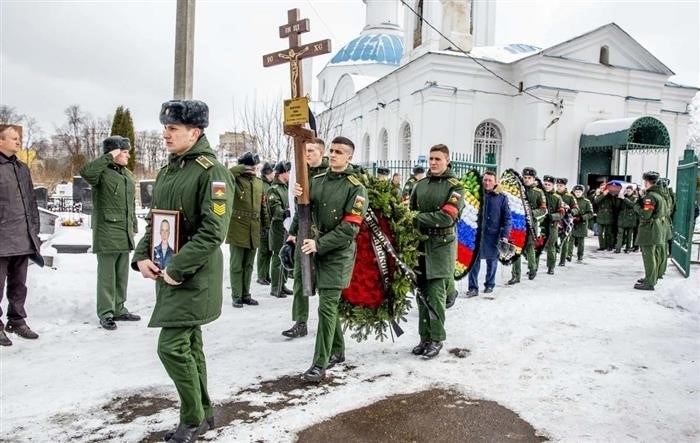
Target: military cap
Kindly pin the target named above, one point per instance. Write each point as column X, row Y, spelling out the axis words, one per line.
column 663, row 182
column 115, row 142
column 562, row 181
column 249, row 159
column 383, row 171
column 548, row 178
column 282, row 167
column 651, row 176
column 418, row 169
column 266, row 169
column 578, row 188
column 287, row 256
column 529, row 172
column 185, row 112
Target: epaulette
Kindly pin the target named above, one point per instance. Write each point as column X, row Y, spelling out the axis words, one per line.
column 354, row 180
column 538, row 190
column 319, row 175
column 204, row 162
column 453, row 181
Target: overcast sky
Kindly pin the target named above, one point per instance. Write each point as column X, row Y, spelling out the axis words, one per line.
column 102, row 54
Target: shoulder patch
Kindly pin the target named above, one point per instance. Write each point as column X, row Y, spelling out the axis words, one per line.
column 453, row 181
column 204, row 162
column 354, row 180
column 218, row 190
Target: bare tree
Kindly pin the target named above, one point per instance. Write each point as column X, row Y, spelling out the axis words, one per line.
column 150, row 152
column 694, row 126
column 329, row 123
column 95, row 130
column 263, row 120
column 31, row 130
column 10, row 116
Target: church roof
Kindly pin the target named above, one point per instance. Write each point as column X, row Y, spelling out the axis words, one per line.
column 504, row 54
column 371, row 48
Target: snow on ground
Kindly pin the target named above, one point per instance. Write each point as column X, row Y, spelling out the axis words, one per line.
column 580, row 355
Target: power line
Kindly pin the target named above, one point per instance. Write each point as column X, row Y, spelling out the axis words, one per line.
column 454, row 45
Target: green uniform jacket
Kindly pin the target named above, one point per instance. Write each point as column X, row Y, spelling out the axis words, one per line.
column 568, row 199
column 439, row 200
column 652, row 223
column 555, row 211
column 538, row 204
column 338, row 206
column 667, row 194
column 266, row 187
column 585, row 213
column 113, row 201
column 627, row 218
column 605, row 205
column 277, row 204
column 408, row 188
column 249, row 215
column 313, row 171
column 191, row 184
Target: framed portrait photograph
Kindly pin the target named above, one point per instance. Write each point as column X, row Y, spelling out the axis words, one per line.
column 165, row 229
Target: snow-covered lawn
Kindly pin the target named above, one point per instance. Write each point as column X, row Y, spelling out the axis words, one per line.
column 580, row 355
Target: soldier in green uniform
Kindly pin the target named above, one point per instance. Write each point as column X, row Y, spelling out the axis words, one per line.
column 550, row 224
column 189, row 289
column 248, row 220
column 570, row 206
column 650, row 207
column 316, row 163
column 418, row 174
column 113, row 228
column 278, row 209
column 338, row 205
column 538, row 206
column 264, row 253
column 439, row 199
column 626, row 222
column 606, row 207
column 585, row 213
column 669, row 196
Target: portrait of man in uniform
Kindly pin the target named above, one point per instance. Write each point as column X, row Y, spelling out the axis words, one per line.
column 165, row 244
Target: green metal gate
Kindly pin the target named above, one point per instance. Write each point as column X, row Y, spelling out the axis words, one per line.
column 683, row 220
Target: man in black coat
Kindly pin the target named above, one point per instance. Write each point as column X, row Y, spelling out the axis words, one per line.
column 19, row 232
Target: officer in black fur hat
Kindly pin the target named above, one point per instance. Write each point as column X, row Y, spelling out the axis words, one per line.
column 383, row 173
column 267, row 174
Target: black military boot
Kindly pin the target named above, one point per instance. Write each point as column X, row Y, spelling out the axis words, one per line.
column 335, row 359
column 531, row 275
column 568, row 258
column 262, row 281
column 238, row 302
column 278, row 293
column 4, row 339
column 127, row 317
column 450, row 299
column 643, row 286
column 432, row 349
column 209, row 421
column 550, row 271
column 314, row 374
column 562, row 262
column 108, row 323
column 286, row 290
column 248, row 300
column 188, row 433
column 513, row 281
column 617, row 250
column 420, row 347
column 296, row 331
column 579, row 260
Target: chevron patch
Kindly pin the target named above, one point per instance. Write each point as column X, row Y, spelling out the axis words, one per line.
column 219, row 208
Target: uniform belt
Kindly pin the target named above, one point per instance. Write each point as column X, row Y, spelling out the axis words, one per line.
column 252, row 214
column 438, row 231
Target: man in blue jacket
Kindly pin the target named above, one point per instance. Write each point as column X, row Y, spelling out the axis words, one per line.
column 495, row 226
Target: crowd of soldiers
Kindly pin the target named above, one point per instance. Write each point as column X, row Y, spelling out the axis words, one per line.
column 249, row 212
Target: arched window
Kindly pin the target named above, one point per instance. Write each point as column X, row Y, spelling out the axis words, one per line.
column 384, row 144
column 418, row 29
column 365, row 146
column 487, row 143
column 604, row 58
column 406, row 142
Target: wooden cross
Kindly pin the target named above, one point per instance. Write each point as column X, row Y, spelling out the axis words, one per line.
column 296, row 52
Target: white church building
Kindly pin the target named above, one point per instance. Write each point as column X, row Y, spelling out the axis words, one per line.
column 599, row 103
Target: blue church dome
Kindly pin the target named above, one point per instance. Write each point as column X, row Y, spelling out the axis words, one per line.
column 371, row 48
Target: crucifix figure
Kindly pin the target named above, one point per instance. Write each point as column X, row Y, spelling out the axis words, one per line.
column 293, row 55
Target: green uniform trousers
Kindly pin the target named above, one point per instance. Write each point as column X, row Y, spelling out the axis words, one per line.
column 182, row 353
column 550, row 247
column 112, row 279
column 529, row 252
column 652, row 255
column 624, row 238
column 241, row 270
column 580, row 241
column 300, row 303
column 434, row 291
column 329, row 335
column 606, row 238
column 263, row 260
column 567, row 249
column 663, row 260
column 279, row 275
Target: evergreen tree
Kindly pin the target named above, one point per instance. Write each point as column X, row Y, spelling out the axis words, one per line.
column 123, row 125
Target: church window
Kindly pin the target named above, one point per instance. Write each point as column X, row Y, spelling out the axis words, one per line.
column 487, row 143
column 406, row 141
column 384, row 141
column 604, row 58
column 365, row 145
column 418, row 29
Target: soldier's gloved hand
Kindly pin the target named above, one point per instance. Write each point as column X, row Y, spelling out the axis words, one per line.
column 169, row 280
column 148, row 269
column 287, row 213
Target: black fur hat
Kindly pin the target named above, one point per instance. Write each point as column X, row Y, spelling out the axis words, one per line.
column 548, row 178
column 383, row 171
column 562, row 181
column 529, row 172
column 418, row 169
column 282, row 167
column 115, row 142
column 185, row 112
column 577, row 188
column 249, row 159
column 652, row 176
column 266, row 169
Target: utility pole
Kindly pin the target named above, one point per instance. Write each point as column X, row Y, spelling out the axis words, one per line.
column 184, row 49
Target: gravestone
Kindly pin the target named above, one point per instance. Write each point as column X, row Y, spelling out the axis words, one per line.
column 146, row 191
column 82, row 193
column 41, row 195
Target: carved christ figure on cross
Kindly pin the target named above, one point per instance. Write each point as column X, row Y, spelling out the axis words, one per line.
column 293, row 58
